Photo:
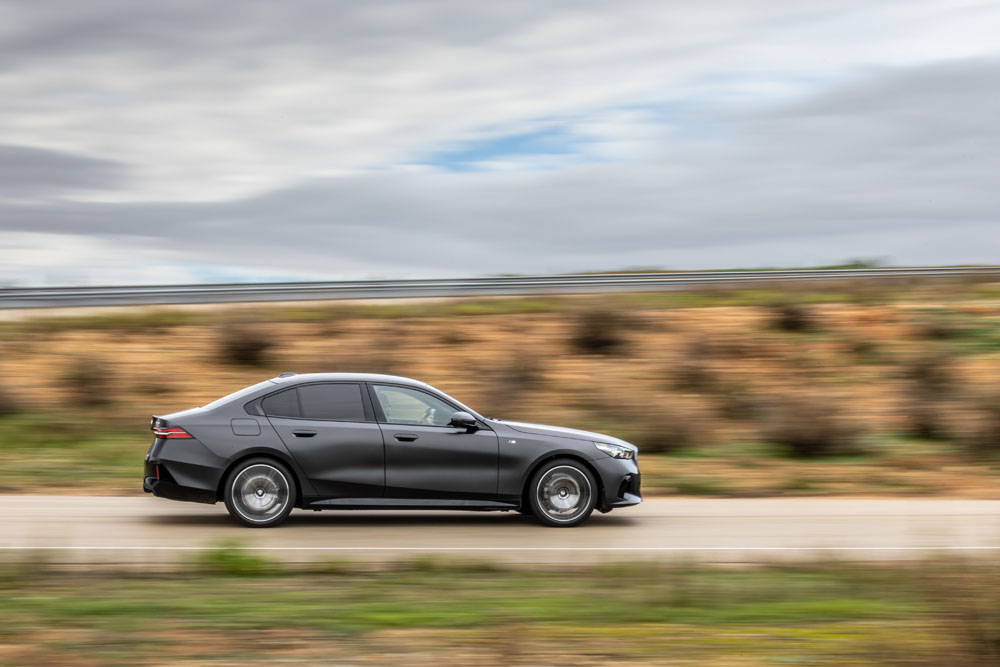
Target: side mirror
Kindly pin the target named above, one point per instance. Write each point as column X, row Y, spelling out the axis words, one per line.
column 462, row 419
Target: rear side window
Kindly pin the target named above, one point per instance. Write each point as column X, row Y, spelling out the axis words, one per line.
column 328, row 402
column 338, row 402
column 283, row 404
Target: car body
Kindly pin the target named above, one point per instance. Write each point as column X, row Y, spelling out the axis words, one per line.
column 363, row 441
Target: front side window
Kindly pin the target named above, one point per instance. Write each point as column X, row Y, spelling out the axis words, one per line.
column 402, row 405
column 323, row 402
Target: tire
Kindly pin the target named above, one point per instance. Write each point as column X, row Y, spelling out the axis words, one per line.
column 562, row 493
column 260, row 493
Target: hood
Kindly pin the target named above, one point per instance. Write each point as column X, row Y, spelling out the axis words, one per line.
column 559, row 431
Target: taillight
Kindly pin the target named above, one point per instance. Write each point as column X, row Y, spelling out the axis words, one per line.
column 172, row 433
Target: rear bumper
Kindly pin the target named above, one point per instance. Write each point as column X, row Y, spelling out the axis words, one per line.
column 163, row 489
column 162, row 484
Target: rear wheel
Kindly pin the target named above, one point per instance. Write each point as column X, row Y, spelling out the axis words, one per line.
column 260, row 493
column 562, row 493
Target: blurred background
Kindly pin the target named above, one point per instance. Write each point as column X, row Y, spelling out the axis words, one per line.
column 198, row 143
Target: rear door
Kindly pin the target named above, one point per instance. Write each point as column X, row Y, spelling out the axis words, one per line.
column 424, row 456
column 330, row 429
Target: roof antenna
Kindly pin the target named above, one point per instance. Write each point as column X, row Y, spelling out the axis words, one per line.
column 286, row 374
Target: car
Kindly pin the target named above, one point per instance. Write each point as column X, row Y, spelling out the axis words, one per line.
column 324, row 441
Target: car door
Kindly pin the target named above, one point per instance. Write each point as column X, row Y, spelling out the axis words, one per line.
column 331, row 431
column 424, row 456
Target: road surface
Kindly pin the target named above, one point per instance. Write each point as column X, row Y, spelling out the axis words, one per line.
column 150, row 530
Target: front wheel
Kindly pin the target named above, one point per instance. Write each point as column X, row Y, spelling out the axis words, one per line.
column 260, row 493
column 562, row 493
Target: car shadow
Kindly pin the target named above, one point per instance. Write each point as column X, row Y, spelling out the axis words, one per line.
column 384, row 518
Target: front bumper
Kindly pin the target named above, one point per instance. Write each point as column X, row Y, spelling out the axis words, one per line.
column 629, row 492
column 621, row 481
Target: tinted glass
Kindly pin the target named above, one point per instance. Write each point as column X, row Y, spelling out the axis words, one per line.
column 283, row 404
column 411, row 406
column 340, row 402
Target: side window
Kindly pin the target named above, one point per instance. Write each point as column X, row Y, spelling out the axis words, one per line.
column 283, row 404
column 338, row 402
column 412, row 406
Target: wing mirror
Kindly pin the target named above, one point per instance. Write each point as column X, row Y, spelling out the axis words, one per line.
column 462, row 419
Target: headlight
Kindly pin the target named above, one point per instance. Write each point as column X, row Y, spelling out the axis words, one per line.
column 615, row 451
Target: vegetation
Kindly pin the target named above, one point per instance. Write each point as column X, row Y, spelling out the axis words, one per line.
column 856, row 388
column 233, row 606
column 244, row 344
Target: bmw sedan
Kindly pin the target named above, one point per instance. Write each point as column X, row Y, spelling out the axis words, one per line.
column 360, row 441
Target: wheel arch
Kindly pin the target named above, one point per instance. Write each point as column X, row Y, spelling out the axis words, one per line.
column 262, row 454
column 562, row 455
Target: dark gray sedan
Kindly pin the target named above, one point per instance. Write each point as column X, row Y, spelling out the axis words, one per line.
column 358, row 441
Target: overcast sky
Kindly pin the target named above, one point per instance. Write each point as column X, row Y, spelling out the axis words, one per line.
column 211, row 141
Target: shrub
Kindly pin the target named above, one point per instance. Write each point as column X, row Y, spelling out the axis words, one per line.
column 512, row 384
column 931, row 373
column 792, row 318
column 930, row 383
column 983, row 426
column 689, row 374
column 244, row 344
column 673, row 425
column 599, row 331
column 8, row 405
column 926, row 418
column 89, row 382
column 809, row 426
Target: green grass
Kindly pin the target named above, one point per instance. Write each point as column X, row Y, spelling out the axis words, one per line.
column 816, row 613
column 442, row 596
column 39, row 449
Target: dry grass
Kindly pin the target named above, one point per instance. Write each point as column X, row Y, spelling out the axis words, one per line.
column 722, row 384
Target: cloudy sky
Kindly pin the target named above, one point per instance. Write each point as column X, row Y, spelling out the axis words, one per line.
column 211, row 141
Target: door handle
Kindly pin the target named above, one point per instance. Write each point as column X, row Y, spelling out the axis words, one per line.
column 303, row 434
column 406, row 437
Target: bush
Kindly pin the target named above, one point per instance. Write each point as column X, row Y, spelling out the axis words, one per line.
column 983, row 426
column 930, row 383
column 673, row 426
column 927, row 418
column 689, row 374
column 792, row 318
column 931, row 374
column 8, row 405
column 244, row 344
column 599, row 331
column 89, row 382
column 511, row 385
column 810, row 426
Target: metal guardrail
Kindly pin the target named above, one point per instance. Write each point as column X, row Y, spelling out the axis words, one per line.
column 39, row 297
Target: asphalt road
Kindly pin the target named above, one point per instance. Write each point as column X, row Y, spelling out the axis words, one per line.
column 150, row 530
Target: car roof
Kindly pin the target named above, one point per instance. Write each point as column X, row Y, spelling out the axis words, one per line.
column 342, row 377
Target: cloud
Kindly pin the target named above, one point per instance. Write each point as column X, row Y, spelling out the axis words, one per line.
column 27, row 171
column 258, row 139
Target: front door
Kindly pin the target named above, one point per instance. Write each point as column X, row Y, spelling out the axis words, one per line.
column 425, row 457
